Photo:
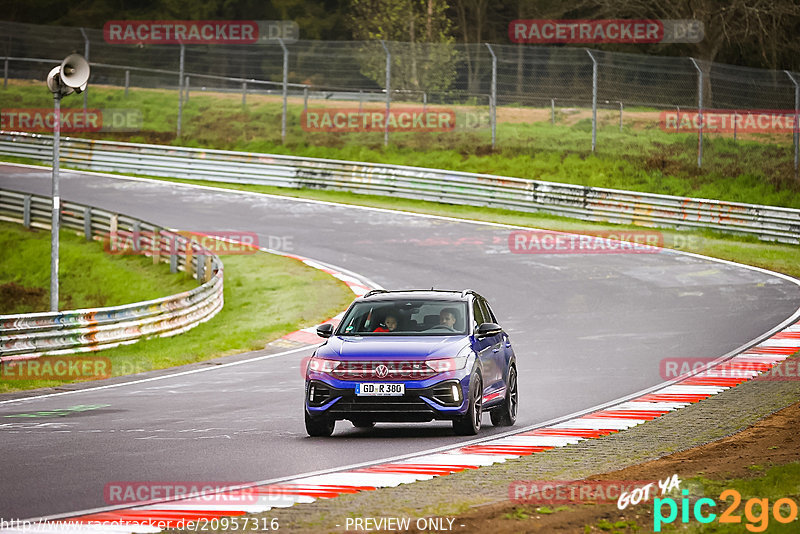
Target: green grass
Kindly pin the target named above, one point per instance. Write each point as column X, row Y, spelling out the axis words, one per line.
column 266, row 296
column 88, row 277
column 640, row 158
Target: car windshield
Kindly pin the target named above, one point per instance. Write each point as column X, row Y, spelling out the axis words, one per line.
column 416, row 317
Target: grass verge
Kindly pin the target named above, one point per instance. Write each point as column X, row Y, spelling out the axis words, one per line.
column 641, row 157
column 266, row 296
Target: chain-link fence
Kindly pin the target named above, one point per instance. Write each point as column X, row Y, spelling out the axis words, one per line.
column 478, row 94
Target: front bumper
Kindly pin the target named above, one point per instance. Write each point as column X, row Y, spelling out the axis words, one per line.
column 418, row 404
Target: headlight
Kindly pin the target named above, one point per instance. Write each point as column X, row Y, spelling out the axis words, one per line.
column 448, row 364
column 321, row 365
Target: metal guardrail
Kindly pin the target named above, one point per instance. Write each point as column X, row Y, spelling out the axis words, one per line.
column 587, row 203
column 31, row 335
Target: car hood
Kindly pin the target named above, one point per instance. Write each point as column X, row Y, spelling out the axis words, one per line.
column 393, row 347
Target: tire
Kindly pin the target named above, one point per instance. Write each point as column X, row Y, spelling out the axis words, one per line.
column 506, row 413
column 321, row 427
column 470, row 423
column 363, row 423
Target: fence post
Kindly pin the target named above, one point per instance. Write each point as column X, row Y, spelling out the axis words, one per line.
column 87, row 223
column 796, row 118
column 620, row 117
column 553, row 111
column 5, row 72
column 201, row 267
column 26, row 211
column 493, row 98
column 244, row 93
column 388, row 93
column 360, row 101
column 180, row 90
column 594, row 99
column 86, row 56
column 285, row 88
column 305, row 99
column 678, row 120
column 127, row 81
column 699, row 113
column 186, row 88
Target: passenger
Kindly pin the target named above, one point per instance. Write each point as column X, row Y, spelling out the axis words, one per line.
column 389, row 324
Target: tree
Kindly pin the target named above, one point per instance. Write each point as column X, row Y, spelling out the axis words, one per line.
column 419, row 34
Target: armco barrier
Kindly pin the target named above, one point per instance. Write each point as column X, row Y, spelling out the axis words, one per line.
column 588, row 203
column 32, row 335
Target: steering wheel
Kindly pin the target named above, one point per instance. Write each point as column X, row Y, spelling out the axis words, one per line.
column 441, row 326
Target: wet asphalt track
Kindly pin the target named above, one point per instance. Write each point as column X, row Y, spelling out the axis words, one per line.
column 586, row 329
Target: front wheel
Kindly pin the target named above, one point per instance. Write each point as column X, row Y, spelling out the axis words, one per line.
column 469, row 424
column 319, row 426
column 506, row 413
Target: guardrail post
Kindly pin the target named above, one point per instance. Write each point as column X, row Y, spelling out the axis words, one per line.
column 493, row 97
column 155, row 244
column 180, row 89
column 137, row 234
column 86, row 56
column 388, row 93
column 208, row 269
column 594, row 100
column 87, row 223
column 285, row 88
column 26, row 211
column 201, row 267
column 796, row 119
column 173, row 257
column 699, row 112
column 127, row 81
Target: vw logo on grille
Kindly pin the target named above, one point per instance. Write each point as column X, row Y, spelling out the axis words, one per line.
column 381, row 371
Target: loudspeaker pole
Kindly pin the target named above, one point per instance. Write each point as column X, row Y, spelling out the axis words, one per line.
column 71, row 76
column 56, row 204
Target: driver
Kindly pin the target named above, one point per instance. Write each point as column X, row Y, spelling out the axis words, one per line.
column 447, row 317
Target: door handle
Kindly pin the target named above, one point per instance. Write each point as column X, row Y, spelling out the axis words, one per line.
column 496, row 349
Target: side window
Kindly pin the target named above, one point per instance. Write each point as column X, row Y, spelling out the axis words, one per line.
column 477, row 313
column 487, row 313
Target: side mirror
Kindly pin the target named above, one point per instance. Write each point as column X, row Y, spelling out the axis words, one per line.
column 325, row 330
column 488, row 329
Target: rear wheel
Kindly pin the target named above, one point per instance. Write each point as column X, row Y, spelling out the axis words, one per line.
column 506, row 413
column 470, row 423
column 319, row 426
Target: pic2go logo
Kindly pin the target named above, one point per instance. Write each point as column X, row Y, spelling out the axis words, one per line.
column 756, row 511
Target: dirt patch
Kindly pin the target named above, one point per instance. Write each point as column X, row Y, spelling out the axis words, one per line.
column 16, row 296
column 772, row 441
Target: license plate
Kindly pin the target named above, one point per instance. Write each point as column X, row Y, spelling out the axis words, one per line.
column 380, row 389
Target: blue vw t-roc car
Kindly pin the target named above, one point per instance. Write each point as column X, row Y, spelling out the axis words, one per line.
column 412, row 355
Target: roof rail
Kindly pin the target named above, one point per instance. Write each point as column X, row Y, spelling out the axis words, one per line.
column 374, row 292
